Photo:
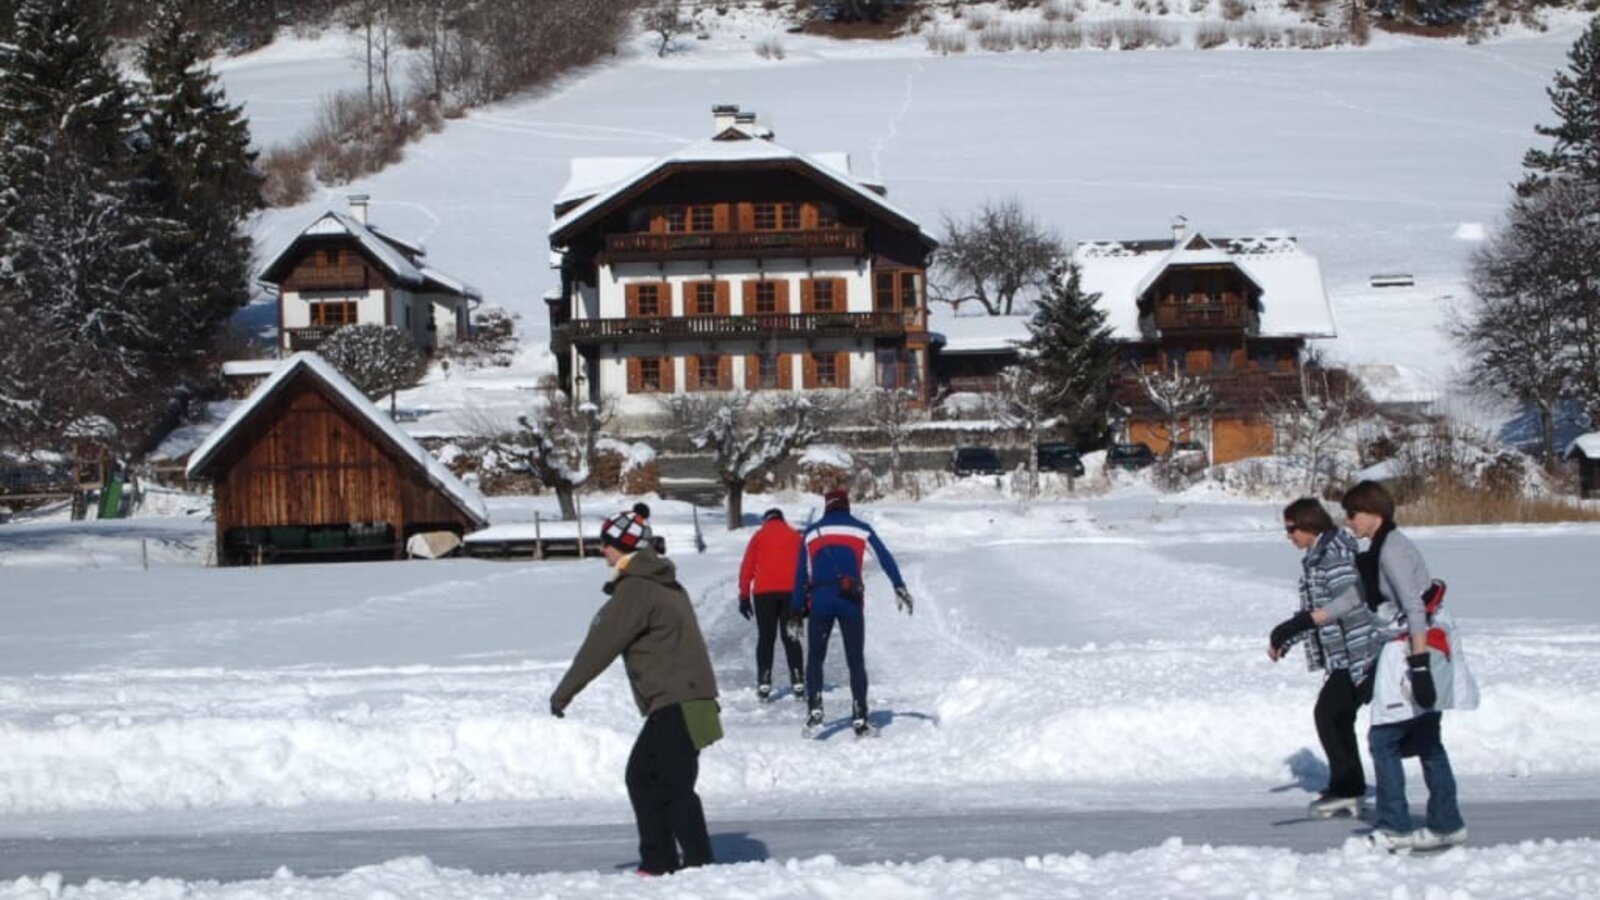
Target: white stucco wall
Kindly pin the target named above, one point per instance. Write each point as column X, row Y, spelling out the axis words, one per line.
column 613, row 281
column 297, row 308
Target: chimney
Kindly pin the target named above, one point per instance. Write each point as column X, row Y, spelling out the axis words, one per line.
column 1180, row 229
column 723, row 115
column 358, row 207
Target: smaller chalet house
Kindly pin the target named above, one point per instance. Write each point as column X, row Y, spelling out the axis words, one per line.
column 343, row 270
column 1585, row 449
column 307, row 468
column 733, row 264
column 1234, row 311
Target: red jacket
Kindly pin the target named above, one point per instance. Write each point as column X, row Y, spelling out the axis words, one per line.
column 769, row 561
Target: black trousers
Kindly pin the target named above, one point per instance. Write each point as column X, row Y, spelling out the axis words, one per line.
column 772, row 610
column 662, row 770
column 1335, row 715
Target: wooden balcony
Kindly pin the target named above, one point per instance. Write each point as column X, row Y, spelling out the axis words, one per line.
column 735, row 244
column 328, row 278
column 1201, row 316
column 309, row 338
column 1229, row 390
column 759, row 326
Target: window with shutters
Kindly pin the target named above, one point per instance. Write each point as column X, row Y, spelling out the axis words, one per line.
column 702, row 218
column 767, row 371
column 766, row 216
column 827, row 370
column 706, row 367
column 822, row 295
column 650, row 300
column 766, row 296
column 333, row 312
column 677, row 218
column 703, row 298
column 650, row 374
column 789, row 216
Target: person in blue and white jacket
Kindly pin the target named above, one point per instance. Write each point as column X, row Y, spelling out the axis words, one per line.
column 829, row 588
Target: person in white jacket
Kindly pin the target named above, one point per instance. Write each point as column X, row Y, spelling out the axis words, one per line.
column 1394, row 580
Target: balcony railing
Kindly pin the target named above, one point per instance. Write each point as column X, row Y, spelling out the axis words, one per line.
column 1229, row 390
column 736, row 244
column 1170, row 317
column 309, row 338
column 761, row 325
column 332, row 278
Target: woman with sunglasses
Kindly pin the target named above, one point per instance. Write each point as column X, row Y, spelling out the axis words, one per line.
column 1393, row 582
column 1343, row 642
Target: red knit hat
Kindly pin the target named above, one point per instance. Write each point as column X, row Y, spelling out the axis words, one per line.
column 838, row 498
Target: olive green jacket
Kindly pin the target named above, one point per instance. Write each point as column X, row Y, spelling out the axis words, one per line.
column 650, row 623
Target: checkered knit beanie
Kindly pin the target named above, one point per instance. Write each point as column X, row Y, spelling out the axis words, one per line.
column 624, row 531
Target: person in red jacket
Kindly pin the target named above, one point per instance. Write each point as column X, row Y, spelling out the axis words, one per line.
column 767, row 576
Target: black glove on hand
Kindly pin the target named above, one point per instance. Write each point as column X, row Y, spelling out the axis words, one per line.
column 1289, row 629
column 1421, row 680
column 558, row 708
column 902, row 600
column 744, row 608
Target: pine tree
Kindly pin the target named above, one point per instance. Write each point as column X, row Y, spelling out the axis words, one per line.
column 93, row 304
column 199, row 171
column 1073, row 351
column 1575, row 97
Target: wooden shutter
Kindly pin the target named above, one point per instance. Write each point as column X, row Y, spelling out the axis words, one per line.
column 748, row 300
column 635, row 377
column 808, row 296
column 719, row 217
column 724, row 306
column 808, row 371
column 747, row 216
column 841, row 369
column 631, row 292
column 786, row 371
column 725, row 373
column 691, row 372
column 781, row 296
column 841, row 295
column 669, row 374
column 658, row 221
column 752, row 372
column 808, row 215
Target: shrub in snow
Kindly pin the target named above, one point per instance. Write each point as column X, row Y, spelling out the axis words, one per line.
column 826, row 466
column 378, row 359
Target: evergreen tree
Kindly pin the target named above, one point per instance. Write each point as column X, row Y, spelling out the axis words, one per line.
column 93, row 304
column 199, row 172
column 1073, row 351
column 1575, row 97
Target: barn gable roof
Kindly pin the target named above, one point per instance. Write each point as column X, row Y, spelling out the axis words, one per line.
column 469, row 501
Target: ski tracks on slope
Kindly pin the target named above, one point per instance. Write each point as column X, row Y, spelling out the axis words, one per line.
column 893, row 132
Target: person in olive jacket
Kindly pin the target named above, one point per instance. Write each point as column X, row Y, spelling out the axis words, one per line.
column 650, row 623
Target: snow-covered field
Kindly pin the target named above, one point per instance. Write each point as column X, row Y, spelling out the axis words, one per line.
column 1097, row 654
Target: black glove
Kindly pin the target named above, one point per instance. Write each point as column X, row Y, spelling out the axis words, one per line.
column 558, row 708
column 1421, row 680
column 1289, row 629
column 902, row 600
column 744, row 608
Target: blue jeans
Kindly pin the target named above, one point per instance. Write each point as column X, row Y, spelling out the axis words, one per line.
column 1385, row 742
column 853, row 628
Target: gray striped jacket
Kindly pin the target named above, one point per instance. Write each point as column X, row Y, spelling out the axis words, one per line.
column 1329, row 579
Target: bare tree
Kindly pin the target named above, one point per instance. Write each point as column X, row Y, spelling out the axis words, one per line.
column 666, row 21
column 892, row 411
column 1312, row 423
column 555, row 442
column 1179, row 399
column 999, row 256
column 1027, row 405
column 378, row 359
column 746, row 437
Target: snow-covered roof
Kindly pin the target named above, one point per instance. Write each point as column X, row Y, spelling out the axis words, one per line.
column 466, row 499
column 981, row 334
column 245, row 368
column 384, row 249
column 1294, row 301
column 833, row 167
column 1586, row 444
column 1387, row 383
column 591, row 175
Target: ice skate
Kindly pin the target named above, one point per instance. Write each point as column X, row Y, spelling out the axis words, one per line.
column 1426, row 840
column 1328, row 806
column 813, row 722
column 1400, row 842
column 859, row 723
column 764, row 692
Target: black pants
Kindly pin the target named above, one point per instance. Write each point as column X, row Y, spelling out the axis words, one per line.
column 772, row 610
column 1335, row 715
column 661, row 774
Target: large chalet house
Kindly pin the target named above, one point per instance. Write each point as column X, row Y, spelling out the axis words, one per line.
column 342, row 270
column 1235, row 312
column 733, row 264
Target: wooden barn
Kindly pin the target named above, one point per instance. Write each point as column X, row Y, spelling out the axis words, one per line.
column 1586, row 451
column 308, row 469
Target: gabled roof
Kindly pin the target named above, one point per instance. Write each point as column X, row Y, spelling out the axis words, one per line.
column 399, row 259
column 1294, row 301
column 469, row 501
column 1585, row 445
column 830, row 169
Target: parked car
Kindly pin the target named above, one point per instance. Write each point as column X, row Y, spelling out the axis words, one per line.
column 1130, row 456
column 1063, row 458
column 1190, row 451
column 976, row 461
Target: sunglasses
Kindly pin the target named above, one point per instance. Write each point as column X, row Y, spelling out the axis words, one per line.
column 1290, row 529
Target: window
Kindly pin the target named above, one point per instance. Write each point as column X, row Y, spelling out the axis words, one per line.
column 827, row 215
column 790, row 213
column 333, row 312
column 650, row 374
column 766, row 216
column 822, row 295
column 883, row 292
column 330, row 257
column 649, row 299
column 1222, row 358
column 827, row 369
column 767, row 370
column 766, row 296
column 899, row 368
column 704, row 298
column 910, row 294
column 702, row 218
column 705, row 369
column 677, row 218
